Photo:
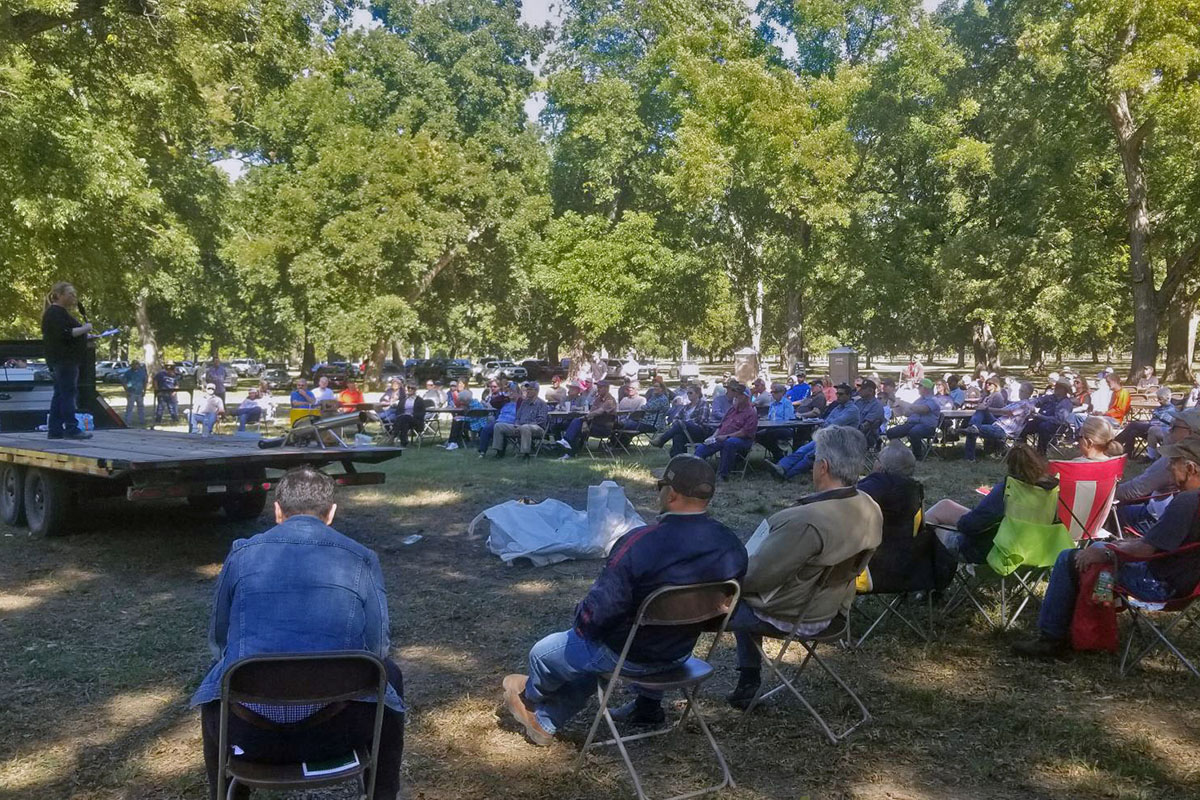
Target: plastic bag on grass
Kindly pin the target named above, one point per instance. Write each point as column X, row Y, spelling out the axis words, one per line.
column 552, row 531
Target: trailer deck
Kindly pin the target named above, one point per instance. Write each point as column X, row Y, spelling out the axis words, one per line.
column 111, row 453
column 42, row 480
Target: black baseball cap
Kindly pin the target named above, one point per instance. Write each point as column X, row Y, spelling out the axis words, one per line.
column 690, row 476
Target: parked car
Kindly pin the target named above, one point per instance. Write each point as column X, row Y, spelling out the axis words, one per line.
column 277, row 377
column 247, row 367
column 391, row 369
column 439, row 369
column 338, row 372
column 614, row 369
column 539, row 369
column 506, row 369
column 41, row 372
column 110, row 371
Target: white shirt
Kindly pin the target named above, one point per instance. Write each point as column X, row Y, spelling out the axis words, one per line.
column 408, row 404
column 323, row 394
column 209, row 404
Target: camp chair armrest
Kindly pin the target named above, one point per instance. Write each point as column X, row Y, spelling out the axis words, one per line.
column 1121, row 556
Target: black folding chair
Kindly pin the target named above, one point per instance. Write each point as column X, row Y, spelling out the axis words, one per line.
column 298, row 679
column 670, row 606
column 842, row 575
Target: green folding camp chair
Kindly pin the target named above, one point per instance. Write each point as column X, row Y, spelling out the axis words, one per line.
column 1025, row 547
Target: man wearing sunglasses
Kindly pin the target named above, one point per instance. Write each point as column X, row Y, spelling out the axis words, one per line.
column 684, row 546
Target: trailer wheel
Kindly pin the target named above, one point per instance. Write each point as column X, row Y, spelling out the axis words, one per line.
column 12, row 494
column 49, row 502
column 244, row 506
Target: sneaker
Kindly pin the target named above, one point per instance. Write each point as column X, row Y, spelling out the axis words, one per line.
column 1043, row 647
column 483, row 455
column 747, row 687
column 640, row 711
column 522, row 710
column 565, row 445
column 971, row 429
column 565, row 457
column 77, row 434
column 656, row 441
column 452, row 446
column 777, row 472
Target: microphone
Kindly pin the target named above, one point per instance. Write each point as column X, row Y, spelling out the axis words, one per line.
column 82, row 311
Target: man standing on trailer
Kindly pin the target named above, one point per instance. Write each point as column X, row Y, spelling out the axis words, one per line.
column 65, row 340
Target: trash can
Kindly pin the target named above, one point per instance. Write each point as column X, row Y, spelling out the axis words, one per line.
column 689, row 370
column 843, row 365
column 745, row 365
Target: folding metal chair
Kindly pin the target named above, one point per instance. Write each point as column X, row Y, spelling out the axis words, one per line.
column 838, row 575
column 670, row 606
column 298, row 679
column 1184, row 614
column 1085, row 495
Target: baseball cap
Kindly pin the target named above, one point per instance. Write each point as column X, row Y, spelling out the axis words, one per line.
column 927, row 383
column 735, row 387
column 1190, row 417
column 690, row 476
column 1189, row 448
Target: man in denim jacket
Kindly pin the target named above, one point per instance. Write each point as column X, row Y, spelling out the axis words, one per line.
column 301, row 587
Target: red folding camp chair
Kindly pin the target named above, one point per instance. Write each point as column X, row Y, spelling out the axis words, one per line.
column 1184, row 613
column 1085, row 495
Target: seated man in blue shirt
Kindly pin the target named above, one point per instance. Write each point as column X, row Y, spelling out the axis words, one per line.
column 923, row 416
column 1053, row 412
column 871, row 413
column 779, row 410
column 301, row 587
column 1154, row 581
column 842, row 411
column 684, row 546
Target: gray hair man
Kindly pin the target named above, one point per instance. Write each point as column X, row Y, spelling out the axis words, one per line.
column 1141, row 501
column 782, row 591
column 532, row 421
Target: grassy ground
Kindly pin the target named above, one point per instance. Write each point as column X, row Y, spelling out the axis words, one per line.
column 102, row 639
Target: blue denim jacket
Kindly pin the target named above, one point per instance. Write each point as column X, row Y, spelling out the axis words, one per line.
column 299, row 587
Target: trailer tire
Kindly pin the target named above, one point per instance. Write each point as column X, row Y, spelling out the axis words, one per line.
column 49, row 502
column 12, row 494
column 245, row 505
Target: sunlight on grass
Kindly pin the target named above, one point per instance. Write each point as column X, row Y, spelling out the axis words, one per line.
column 533, row 588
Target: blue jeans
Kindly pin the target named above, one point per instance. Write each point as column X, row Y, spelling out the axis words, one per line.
column 485, row 436
column 64, row 400
column 1137, row 516
column 247, row 415
column 990, row 431
column 574, row 433
column 207, row 420
column 917, row 431
column 166, row 401
column 748, row 630
column 562, row 676
column 799, row 460
column 1058, row 606
column 678, row 435
column 729, row 450
column 135, row 399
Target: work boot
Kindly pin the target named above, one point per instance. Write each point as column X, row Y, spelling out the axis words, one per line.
column 522, row 710
column 656, row 441
column 777, row 472
column 640, row 711
column 77, row 434
column 747, row 686
column 1043, row 647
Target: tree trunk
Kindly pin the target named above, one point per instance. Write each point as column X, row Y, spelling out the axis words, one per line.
column 375, row 364
column 146, row 335
column 309, row 357
column 987, row 351
column 753, row 307
column 794, row 337
column 1037, row 355
column 1146, row 298
column 961, row 362
column 1181, row 339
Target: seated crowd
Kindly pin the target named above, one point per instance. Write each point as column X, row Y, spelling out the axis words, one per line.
column 303, row 564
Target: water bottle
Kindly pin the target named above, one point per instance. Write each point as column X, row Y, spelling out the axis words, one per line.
column 1102, row 593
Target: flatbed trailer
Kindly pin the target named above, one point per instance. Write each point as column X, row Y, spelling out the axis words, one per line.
column 43, row 481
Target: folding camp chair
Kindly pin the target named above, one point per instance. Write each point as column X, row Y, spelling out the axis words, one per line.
column 1024, row 549
column 296, row 679
column 839, row 575
column 1184, row 611
column 1085, row 495
column 670, row 606
column 910, row 565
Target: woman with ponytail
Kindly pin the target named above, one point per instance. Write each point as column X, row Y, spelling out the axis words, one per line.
column 1097, row 441
column 65, row 340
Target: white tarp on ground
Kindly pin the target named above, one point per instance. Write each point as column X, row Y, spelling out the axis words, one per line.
column 552, row 531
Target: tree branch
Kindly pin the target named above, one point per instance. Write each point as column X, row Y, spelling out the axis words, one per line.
column 1176, row 273
column 27, row 24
